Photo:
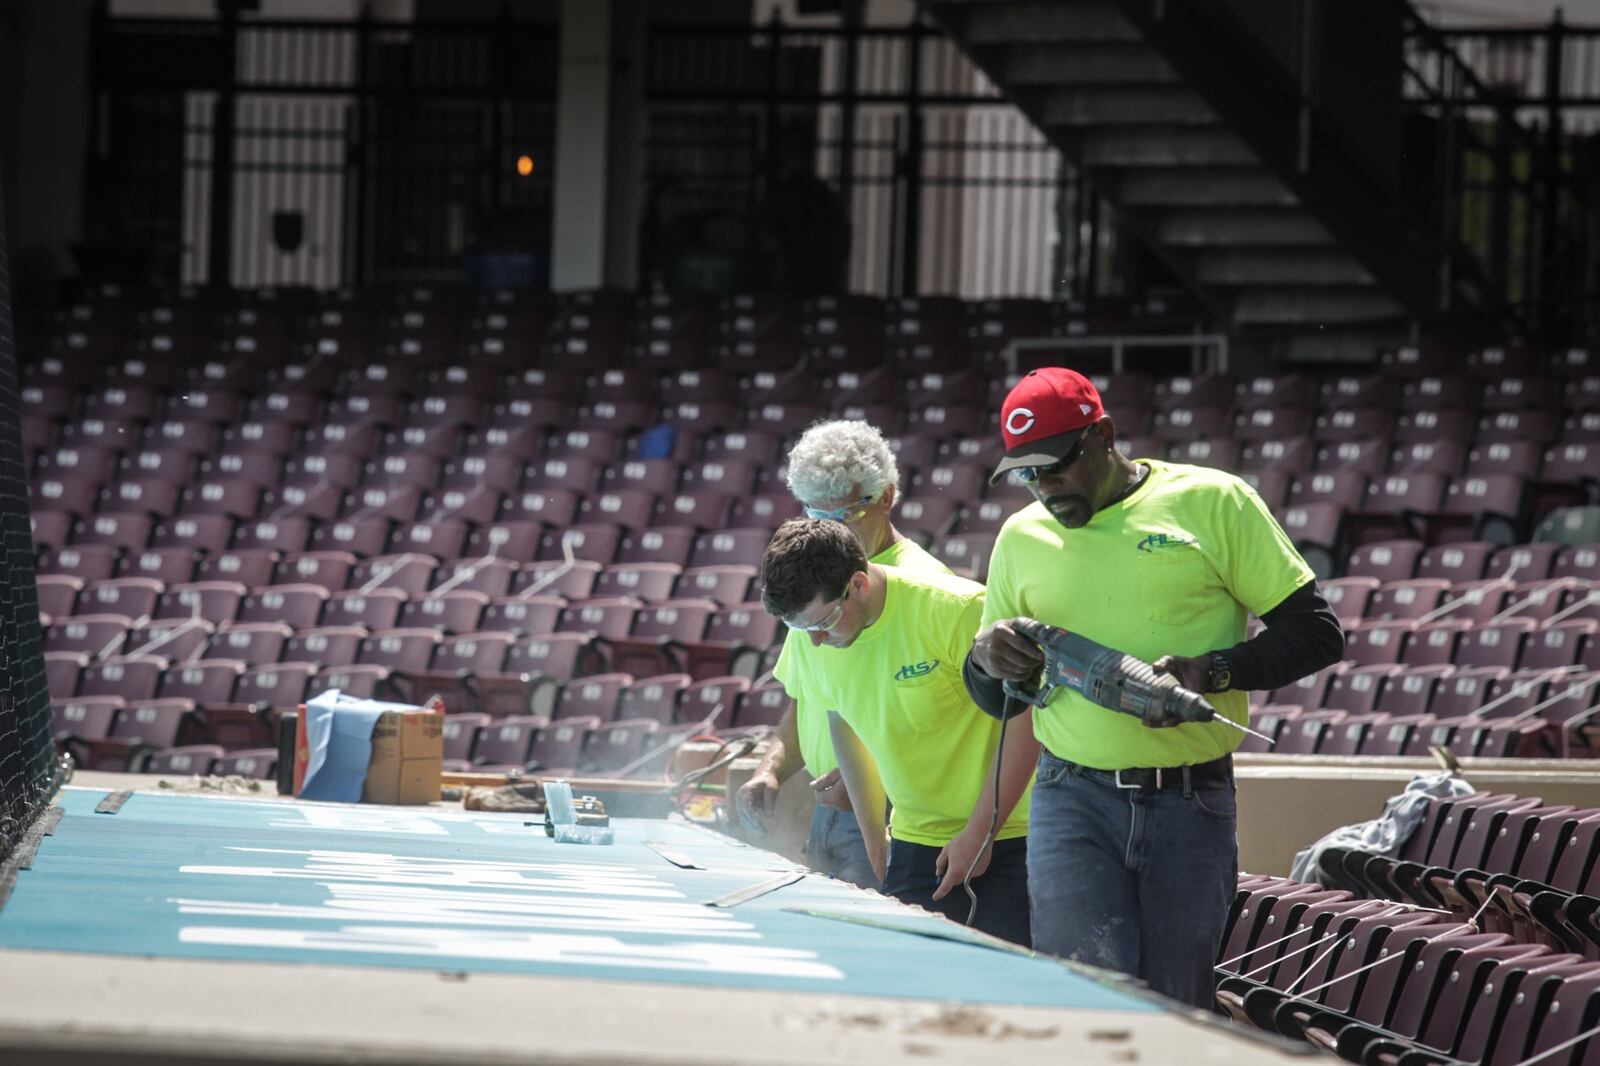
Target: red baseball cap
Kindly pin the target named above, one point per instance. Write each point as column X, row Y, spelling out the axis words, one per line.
column 1043, row 416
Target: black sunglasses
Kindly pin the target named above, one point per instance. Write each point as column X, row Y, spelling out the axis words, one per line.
column 1030, row 475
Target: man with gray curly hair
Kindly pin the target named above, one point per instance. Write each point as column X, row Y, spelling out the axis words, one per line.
column 841, row 470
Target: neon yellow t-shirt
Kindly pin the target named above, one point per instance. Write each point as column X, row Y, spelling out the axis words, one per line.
column 899, row 687
column 816, row 743
column 1172, row 569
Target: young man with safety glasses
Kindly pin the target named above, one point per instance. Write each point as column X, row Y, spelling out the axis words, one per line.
column 880, row 649
column 844, row 471
column 1132, row 863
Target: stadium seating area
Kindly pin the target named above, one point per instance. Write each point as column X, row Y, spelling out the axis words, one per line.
column 550, row 510
column 1478, row 943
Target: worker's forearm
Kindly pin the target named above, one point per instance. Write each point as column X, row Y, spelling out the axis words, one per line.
column 861, row 779
column 783, row 758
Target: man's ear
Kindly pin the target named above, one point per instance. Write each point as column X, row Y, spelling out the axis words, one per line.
column 889, row 494
column 1108, row 430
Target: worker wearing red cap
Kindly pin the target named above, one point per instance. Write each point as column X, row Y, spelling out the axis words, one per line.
column 1132, row 846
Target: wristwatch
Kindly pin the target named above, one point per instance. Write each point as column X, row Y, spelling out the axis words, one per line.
column 1219, row 675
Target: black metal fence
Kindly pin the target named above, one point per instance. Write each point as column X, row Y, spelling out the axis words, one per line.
column 869, row 158
column 29, row 771
column 1503, row 146
column 298, row 152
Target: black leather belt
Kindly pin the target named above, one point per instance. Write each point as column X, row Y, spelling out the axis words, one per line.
column 1159, row 778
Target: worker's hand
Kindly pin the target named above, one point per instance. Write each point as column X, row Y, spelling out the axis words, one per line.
column 1192, row 671
column 757, row 799
column 956, row 857
column 1003, row 653
column 831, row 792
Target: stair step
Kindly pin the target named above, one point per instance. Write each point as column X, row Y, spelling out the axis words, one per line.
column 1167, row 146
column 1125, row 106
column 1289, row 306
column 1076, row 63
column 1262, row 266
column 1240, row 226
column 1203, row 186
column 1061, row 20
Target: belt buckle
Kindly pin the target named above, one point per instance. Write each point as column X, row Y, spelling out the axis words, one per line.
column 1135, row 786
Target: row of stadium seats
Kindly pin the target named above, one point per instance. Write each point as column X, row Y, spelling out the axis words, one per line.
column 400, row 393
column 112, row 732
column 664, row 329
column 301, row 414
column 1476, row 943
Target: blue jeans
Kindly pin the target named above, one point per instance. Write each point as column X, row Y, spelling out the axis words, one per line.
column 1002, row 890
column 1133, row 881
column 834, row 847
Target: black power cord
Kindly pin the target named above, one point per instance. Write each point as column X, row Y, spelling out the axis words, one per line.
column 1013, row 706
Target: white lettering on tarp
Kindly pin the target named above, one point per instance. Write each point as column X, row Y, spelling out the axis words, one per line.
column 401, row 904
column 376, row 867
column 746, row 959
column 483, row 910
column 355, row 820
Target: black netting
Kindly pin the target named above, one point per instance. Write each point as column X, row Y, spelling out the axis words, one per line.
column 28, row 767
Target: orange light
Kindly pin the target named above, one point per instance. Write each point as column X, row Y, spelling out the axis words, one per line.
column 524, row 165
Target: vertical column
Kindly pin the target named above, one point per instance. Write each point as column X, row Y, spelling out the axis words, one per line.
column 582, row 139
column 625, row 193
column 220, row 258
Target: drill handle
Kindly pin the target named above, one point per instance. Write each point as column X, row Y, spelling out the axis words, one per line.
column 1035, row 692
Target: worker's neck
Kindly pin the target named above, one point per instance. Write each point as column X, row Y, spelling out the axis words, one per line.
column 886, row 539
column 877, row 592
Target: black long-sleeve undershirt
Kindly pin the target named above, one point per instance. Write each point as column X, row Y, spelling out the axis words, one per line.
column 1302, row 636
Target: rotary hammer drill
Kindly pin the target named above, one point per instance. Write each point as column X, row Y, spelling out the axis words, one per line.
column 1109, row 678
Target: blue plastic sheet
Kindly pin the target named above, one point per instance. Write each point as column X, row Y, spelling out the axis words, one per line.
column 339, row 735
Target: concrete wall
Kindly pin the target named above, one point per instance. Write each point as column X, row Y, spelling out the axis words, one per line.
column 1289, row 802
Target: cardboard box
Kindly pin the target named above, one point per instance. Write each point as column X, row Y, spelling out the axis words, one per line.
column 407, row 756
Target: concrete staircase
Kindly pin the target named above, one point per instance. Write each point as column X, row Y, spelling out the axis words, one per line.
column 1157, row 119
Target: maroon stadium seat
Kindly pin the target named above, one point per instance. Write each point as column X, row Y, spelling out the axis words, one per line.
column 95, row 635
column 490, row 576
column 461, row 732
column 276, row 685
column 131, row 597
column 251, row 762
column 93, row 562
column 255, row 643
column 763, row 705
column 247, row 566
column 215, row 601
column 326, row 645
column 649, row 582
column 58, row 595
column 595, row 695
column 174, row 638
column 730, row 547
column 558, row 746
column 506, row 743
column 614, row 748
column 714, row 695
column 448, row 612
column 131, row 677
column 654, row 698
column 297, row 606
column 204, row 680
column 408, row 572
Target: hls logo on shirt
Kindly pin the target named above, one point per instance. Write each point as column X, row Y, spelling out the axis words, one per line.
column 911, row 671
column 1157, row 541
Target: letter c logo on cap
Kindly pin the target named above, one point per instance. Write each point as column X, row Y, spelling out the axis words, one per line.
column 1019, row 421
